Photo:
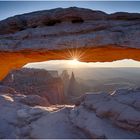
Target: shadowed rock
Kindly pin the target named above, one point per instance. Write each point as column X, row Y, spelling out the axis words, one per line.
column 34, row 82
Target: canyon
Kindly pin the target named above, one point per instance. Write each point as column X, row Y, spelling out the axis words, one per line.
column 36, row 82
column 33, row 104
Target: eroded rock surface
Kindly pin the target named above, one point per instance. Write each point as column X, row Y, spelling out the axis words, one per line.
column 56, row 125
column 64, row 28
column 19, row 120
column 8, row 90
column 35, row 82
column 95, row 116
column 109, row 116
column 93, row 36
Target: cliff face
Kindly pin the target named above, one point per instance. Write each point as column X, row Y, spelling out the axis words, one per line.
column 36, row 82
column 92, row 36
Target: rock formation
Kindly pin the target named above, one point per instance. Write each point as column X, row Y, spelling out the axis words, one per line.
column 40, row 82
column 95, row 116
column 74, row 88
column 109, row 116
column 7, row 90
column 89, row 35
column 65, row 78
column 54, row 73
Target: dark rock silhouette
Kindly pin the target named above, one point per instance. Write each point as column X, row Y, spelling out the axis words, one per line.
column 72, row 89
column 65, row 78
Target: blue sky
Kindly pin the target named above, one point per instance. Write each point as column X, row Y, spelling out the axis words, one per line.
column 11, row 8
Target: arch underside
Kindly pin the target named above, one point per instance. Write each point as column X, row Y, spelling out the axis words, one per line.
column 88, row 35
column 14, row 60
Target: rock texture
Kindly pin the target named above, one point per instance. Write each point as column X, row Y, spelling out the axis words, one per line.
column 31, row 100
column 7, row 90
column 35, row 82
column 60, row 28
column 109, row 116
column 55, row 34
column 56, row 125
column 95, row 116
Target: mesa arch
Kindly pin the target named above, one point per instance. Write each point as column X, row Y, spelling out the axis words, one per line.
column 94, row 36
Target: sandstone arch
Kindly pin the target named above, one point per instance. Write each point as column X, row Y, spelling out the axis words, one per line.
column 64, row 33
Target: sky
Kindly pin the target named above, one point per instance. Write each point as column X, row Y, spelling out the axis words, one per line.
column 58, row 64
column 11, row 8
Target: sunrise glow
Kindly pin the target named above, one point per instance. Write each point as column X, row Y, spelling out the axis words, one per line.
column 74, row 62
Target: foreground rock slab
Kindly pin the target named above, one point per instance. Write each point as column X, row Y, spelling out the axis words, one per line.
column 95, row 116
column 56, row 125
column 109, row 116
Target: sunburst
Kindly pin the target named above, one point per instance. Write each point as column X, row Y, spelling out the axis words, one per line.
column 71, row 53
column 75, row 53
column 74, row 62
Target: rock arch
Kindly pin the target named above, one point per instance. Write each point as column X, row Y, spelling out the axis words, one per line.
column 94, row 37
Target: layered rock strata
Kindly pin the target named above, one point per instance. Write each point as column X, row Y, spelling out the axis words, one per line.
column 88, row 35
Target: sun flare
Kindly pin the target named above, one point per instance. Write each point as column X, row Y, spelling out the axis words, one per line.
column 74, row 62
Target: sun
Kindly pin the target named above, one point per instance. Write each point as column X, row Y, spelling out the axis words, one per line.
column 74, row 62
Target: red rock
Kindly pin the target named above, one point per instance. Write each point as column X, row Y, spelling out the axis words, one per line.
column 36, row 82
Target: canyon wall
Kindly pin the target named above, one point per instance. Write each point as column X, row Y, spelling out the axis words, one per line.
column 40, row 82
